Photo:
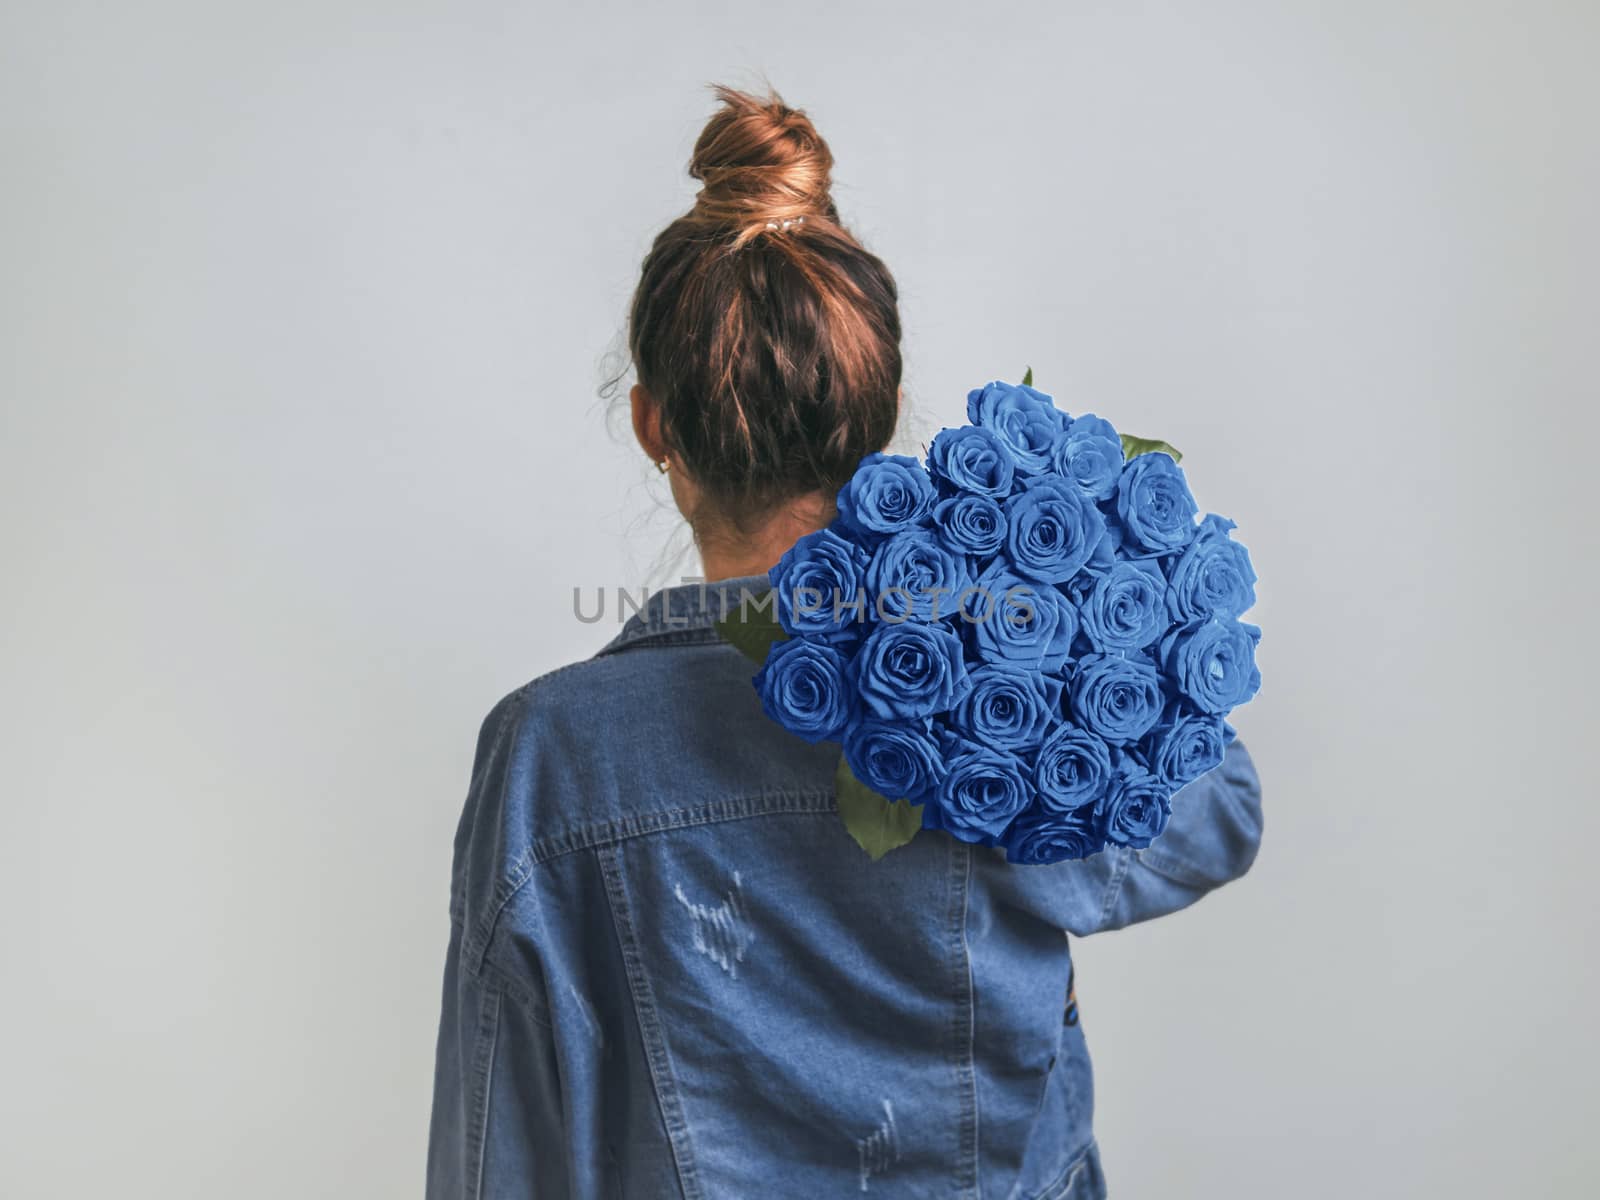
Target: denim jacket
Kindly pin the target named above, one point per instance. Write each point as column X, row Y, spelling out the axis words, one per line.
column 672, row 973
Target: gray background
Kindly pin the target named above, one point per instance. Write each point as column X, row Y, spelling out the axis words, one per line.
column 303, row 309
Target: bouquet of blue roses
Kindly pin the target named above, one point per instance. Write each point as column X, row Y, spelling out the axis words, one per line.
column 1027, row 641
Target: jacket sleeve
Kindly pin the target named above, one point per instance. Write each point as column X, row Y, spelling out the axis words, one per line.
column 496, row 1124
column 1211, row 838
column 496, row 1127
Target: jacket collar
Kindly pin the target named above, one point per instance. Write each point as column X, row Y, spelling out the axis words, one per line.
column 686, row 612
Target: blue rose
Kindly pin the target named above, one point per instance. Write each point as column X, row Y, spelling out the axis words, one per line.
column 1213, row 663
column 1117, row 698
column 982, row 792
column 1008, row 707
column 972, row 459
column 1134, row 809
column 1213, row 577
column 970, row 524
column 1071, row 769
column 1090, row 456
column 912, row 575
column 1186, row 749
column 816, row 582
column 1027, row 421
column 1051, row 530
column 1012, row 620
column 910, row 670
column 1044, row 837
column 1154, row 504
column 804, row 688
column 1089, row 425
column 1126, row 609
column 1106, row 552
column 898, row 759
column 888, row 493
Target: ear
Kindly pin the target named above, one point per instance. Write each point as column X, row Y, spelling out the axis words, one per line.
column 647, row 423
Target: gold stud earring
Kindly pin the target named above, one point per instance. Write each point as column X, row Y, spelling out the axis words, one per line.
column 663, row 465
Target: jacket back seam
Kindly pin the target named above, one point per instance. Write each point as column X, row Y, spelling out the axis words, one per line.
column 963, row 1019
column 657, row 1056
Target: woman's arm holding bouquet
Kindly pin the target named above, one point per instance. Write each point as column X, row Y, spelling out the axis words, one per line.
column 1211, row 838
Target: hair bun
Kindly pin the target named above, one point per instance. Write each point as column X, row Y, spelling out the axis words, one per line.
column 760, row 160
column 771, row 357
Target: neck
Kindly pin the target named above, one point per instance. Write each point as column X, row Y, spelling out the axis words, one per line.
column 728, row 552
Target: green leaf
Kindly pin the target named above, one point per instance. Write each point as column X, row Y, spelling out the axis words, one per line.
column 1027, row 377
column 753, row 627
column 1132, row 447
column 878, row 825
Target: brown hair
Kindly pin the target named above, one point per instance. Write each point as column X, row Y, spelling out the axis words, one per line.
column 767, row 334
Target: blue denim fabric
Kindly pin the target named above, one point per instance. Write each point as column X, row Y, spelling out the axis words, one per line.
column 671, row 972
